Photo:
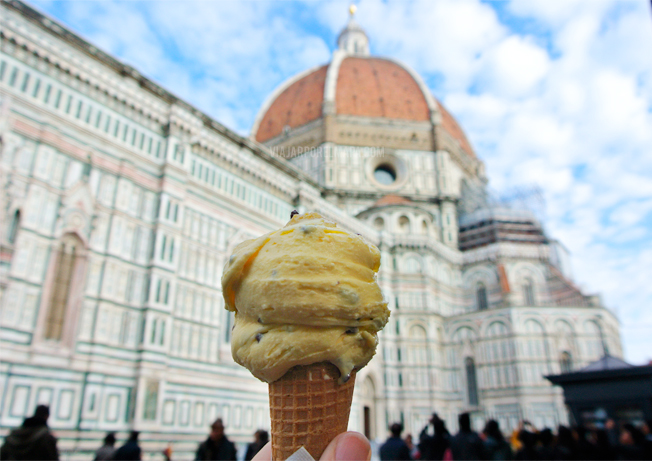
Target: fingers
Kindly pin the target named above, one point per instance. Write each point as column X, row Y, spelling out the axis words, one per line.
column 349, row 446
column 265, row 453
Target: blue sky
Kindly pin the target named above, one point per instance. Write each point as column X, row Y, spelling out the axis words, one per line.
column 551, row 93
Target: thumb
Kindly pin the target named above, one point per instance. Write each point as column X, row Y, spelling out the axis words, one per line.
column 348, row 446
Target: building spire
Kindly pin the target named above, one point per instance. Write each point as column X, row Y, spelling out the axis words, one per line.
column 353, row 40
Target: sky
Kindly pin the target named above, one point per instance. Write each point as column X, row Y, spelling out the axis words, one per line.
column 554, row 94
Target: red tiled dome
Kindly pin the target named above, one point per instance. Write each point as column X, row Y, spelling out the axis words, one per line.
column 373, row 87
column 297, row 105
column 365, row 87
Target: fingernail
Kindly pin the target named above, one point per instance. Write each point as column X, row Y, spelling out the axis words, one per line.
column 353, row 447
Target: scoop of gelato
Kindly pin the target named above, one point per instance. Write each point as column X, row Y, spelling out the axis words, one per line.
column 303, row 294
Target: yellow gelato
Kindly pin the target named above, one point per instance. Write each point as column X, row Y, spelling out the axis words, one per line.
column 304, row 294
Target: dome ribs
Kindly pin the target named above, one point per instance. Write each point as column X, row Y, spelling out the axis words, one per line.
column 373, row 87
column 298, row 104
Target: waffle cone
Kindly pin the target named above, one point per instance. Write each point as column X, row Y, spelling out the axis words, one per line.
column 308, row 408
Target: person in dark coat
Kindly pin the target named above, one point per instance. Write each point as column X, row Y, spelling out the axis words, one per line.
column 216, row 446
column 545, row 450
column 630, row 443
column 106, row 451
column 432, row 448
column 466, row 444
column 528, row 448
column 395, row 448
column 585, row 448
column 33, row 440
column 495, row 446
column 130, row 450
column 604, row 449
column 565, row 447
column 261, row 438
column 646, row 429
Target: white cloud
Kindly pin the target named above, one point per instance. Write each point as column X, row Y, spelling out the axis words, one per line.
column 435, row 37
column 514, row 66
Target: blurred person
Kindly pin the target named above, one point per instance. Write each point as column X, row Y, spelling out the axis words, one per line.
column 546, row 450
column 585, row 448
column 107, row 450
column 612, row 432
column 261, row 437
column 433, row 447
column 130, row 450
column 167, row 453
column 414, row 450
column 466, row 444
column 528, row 443
column 603, row 447
column 495, row 446
column 32, row 440
column 216, row 446
column 395, row 448
column 514, row 442
column 565, row 446
column 630, row 443
column 646, row 429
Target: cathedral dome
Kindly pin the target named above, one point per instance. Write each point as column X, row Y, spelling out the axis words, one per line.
column 365, row 86
column 356, row 86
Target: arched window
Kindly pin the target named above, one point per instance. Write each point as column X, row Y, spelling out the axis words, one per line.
column 151, row 401
column 481, row 296
column 498, row 370
column 368, row 398
column 566, row 362
column 594, row 340
column 417, row 351
column 528, row 292
column 69, row 252
column 412, row 265
column 379, row 223
column 13, row 228
column 535, row 347
column 424, row 227
column 471, row 382
column 404, row 224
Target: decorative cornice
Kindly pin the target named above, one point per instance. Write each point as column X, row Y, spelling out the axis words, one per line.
column 503, row 250
column 177, row 111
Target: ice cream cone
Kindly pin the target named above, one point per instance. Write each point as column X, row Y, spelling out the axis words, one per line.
column 308, row 408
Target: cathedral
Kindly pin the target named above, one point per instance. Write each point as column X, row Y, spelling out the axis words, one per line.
column 119, row 203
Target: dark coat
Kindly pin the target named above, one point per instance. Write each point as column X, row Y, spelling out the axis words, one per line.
column 210, row 451
column 129, row 451
column 467, row 445
column 395, row 449
column 432, row 447
column 105, row 453
column 31, row 441
column 252, row 449
column 497, row 449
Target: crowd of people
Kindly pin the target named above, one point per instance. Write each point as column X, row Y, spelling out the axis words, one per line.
column 606, row 442
column 34, row 441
